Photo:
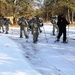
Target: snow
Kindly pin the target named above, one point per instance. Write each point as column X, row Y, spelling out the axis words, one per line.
column 18, row 57
column 11, row 60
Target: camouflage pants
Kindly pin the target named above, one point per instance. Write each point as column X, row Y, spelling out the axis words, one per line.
column 1, row 26
column 23, row 30
column 7, row 28
column 35, row 35
column 55, row 27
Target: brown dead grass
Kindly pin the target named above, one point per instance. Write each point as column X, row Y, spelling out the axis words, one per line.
column 72, row 25
column 15, row 25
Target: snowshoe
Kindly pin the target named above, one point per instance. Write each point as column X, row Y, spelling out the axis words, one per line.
column 56, row 41
column 65, row 42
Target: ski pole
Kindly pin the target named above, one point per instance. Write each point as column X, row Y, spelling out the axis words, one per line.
column 45, row 35
column 68, row 34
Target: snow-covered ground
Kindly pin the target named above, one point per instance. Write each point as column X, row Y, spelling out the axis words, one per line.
column 18, row 57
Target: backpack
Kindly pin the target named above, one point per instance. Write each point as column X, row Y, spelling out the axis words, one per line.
column 19, row 21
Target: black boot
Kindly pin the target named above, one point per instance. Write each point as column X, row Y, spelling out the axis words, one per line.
column 27, row 37
column 56, row 40
column 21, row 36
column 6, row 33
column 64, row 42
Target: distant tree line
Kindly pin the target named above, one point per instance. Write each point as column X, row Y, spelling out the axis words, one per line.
column 45, row 9
column 56, row 7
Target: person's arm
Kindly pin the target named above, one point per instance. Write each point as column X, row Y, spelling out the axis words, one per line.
column 67, row 23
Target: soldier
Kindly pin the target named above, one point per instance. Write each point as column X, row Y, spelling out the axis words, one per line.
column 35, row 29
column 1, row 23
column 7, row 22
column 40, row 23
column 54, row 22
column 62, row 23
column 23, row 27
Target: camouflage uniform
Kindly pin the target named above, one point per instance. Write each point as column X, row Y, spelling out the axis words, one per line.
column 40, row 23
column 35, row 29
column 6, row 23
column 23, row 27
column 1, row 24
column 54, row 22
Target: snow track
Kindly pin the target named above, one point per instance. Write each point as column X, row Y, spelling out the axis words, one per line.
column 49, row 58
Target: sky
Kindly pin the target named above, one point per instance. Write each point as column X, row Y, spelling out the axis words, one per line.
column 18, row 57
column 40, row 3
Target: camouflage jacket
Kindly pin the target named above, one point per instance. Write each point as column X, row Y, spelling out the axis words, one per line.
column 1, row 22
column 7, row 22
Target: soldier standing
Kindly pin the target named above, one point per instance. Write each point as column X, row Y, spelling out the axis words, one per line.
column 6, row 23
column 23, row 27
column 1, row 23
column 39, row 22
column 35, row 29
column 62, row 23
column 54, row 22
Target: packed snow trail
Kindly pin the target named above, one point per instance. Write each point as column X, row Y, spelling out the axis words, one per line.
column 48, row 58
column 11, row 59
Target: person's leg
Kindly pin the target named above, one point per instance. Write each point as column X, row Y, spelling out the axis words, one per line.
column 7, row 28
column 53, row 30
column 21, row 32
column 35, row 36
column 25, row 32
column 2, row 28
column 59, row 34
column 64, row 35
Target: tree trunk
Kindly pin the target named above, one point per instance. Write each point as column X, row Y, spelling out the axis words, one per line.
column 47, row 15
column 68, row 15
column 72, row 17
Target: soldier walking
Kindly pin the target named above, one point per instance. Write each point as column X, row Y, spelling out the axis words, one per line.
column 1, row 23
column 62, row 23
column 23, row 27
column 54, row 22
column 7, row 22
column 35, row 29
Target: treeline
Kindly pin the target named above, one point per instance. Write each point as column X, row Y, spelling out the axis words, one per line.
column 16, row 7
column 30, row 8
column 55, row 7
